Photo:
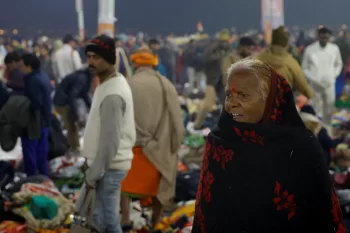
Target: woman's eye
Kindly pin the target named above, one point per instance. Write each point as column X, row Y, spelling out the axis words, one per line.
column 242, row 94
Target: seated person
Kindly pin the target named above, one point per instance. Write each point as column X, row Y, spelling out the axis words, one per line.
column 313, row 123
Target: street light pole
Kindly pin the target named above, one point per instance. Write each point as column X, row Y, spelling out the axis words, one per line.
column 80, row 12
column 106, row 17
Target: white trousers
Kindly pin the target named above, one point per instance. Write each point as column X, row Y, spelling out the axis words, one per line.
column 323, row 102
column 196, row 79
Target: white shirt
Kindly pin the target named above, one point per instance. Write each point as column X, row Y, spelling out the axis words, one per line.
column 65, row 61
column 322, row 65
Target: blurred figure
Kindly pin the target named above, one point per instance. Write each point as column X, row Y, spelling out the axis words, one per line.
column 167, row 54
column 245, row 49
column 4, row 95
column 66, row 60
column 343, row 43
column 322, row 63
column 2, row 68
column 81, row 50
column 46, row 63
column 192, row 59
column 159, row 134
column 15, row 79
column 73, row 87
column 38, row 90
column 213, row 58
column 278, row 57
column 313, row 123
column 154, row 45
column 3, row 50
column 122, row 61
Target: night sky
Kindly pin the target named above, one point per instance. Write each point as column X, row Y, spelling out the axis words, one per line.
column 165, row 16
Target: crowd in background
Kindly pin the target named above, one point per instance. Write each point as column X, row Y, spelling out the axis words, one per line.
column 61, row 80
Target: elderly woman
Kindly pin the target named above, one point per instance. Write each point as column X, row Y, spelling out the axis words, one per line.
column 263, row 171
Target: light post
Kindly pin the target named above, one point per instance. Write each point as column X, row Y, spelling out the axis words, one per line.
column 106, row 17
column 80, row 12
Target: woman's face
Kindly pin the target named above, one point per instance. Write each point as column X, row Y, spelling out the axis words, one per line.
column 243, row 98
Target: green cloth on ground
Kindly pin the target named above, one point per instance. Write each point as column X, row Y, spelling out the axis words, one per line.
column 43, row 207
column 194, row 140
column 73, row 182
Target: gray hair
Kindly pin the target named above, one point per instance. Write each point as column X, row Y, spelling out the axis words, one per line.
column 258, row 69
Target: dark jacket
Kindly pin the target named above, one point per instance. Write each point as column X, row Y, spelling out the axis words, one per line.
column 17, row 119
column 213, row 57
column 193, row 57
column 4, row 95
column 46, row 66
column 38, row 89
column 326, row 143
column 73, row 87
column 58, row 143
column 16, row 81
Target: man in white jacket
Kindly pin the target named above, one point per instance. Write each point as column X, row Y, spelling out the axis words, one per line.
column 322, row 63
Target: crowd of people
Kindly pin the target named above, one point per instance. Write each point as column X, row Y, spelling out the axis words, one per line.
column 124, row 99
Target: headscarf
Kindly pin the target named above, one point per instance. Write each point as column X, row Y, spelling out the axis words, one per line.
column 256, row 177
column 144, row 57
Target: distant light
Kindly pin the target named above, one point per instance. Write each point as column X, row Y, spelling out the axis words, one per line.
column 2, row 32
column 320, row 26
column 14, row 31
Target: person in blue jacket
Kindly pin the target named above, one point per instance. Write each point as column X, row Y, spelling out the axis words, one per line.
column 37, row 88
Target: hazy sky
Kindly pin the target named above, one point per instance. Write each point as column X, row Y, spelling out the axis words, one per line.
column 178, row 16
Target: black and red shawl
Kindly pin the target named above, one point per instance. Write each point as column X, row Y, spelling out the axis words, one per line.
column 268, row 177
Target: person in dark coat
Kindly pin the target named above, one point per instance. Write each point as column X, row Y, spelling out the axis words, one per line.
column 58, row 143
column 308, row 115
column 15, row 75
column 46, row 63
column 37, row 88
column 4, row 95
column 72, row 88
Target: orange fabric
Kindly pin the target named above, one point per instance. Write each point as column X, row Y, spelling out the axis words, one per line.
column 144, row 58
column 143, row 178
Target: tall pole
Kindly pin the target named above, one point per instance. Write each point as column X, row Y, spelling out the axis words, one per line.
column 266, row 18
column 106, row 17
column 80, row 12
column 272, row 16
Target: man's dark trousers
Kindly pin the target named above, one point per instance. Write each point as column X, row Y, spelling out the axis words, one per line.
column 35, row 154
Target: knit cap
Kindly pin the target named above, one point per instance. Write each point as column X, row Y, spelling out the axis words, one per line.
column 103, row 46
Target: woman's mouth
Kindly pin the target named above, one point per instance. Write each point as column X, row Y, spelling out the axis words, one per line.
column 236, row 115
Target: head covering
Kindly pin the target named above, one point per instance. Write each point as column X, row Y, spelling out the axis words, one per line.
column 248, row 166
column 103, row 46
column 224, row 34
column 144, row 57
column 280, row 37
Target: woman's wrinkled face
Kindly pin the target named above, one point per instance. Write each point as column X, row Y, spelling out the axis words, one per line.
column 244, row 101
